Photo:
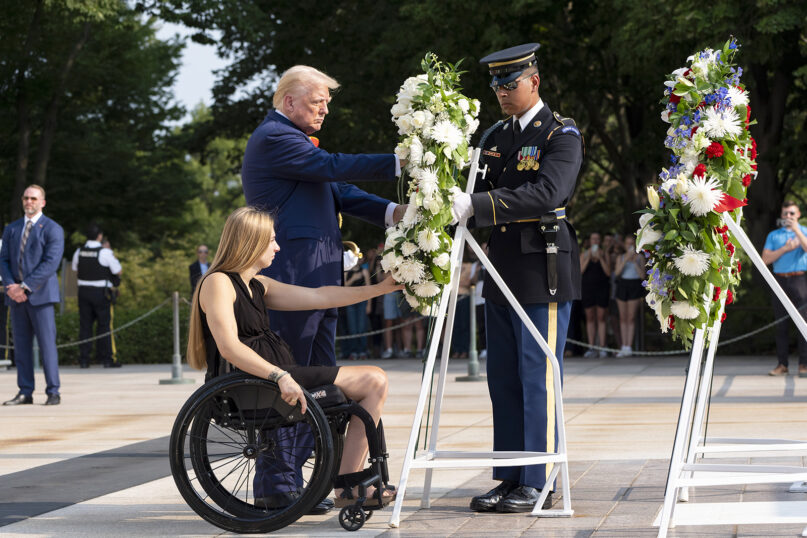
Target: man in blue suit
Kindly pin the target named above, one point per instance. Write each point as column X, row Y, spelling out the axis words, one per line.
column 29, row 258
column 284, row 171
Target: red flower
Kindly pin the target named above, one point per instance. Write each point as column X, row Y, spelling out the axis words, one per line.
column 674, row 99
column 699, row 171
column 716, row 296
column 745, row 201
column 739, row 267
column 693, row 131
column 714, row 150
column 754, row 166
column 729, row 297
column 687, row 73
column 747, row 114
column 671, row 322
column 725, row 239
column 723, row 317
column 746, row 180
column 722, row 229
column 730, row 248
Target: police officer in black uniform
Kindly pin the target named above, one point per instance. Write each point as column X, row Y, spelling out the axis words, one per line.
column 533, row 159
column 98, row 274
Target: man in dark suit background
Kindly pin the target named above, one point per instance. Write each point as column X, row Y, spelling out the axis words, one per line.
column 29, row 259
column 533, row 159
column 285, row 171
column 199, row 267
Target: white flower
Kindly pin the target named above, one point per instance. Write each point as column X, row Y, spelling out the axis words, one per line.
column 428, row 241
column 737, row 96
column 442, row 261
column 390, row 260
column 644, row 219
column 401, row 151
column 393, row 234
column 412, row 300
column 434, row 205
column 464, row 105
column 684, row 310
column 703, row 195
column 665, row 116
column 721, row 122
column 700, row 141
column 428, row 288
column 447, row 133
column 408, row 248
column 399, row 109
column 429, row 158
column 411, row 271
column 404, row 124
column 420, row 119
column 415, row 150
column 692, row 262
column 646, row 236
column 411, row 215
column 654, row 302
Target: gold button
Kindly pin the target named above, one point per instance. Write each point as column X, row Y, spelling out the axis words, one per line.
column 504, row 228
column 504, row 169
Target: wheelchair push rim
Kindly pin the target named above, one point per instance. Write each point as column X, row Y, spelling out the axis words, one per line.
column 227, row 440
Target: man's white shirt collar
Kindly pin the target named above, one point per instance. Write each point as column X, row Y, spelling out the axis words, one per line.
column 526, row 118
column 33, row 219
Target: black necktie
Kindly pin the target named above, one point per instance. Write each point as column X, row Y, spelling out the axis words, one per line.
column 517, row 128
column 23, row 240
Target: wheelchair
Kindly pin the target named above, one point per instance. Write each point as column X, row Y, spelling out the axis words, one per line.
column 235, row 426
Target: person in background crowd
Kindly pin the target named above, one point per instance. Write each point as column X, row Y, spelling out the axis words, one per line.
column 612, row 244
column 629, row 269
column 596, row 268
column 413, row 324
column 98, row 273
column 461, row 334
column 393, row 316
column 30, row 256
column 786, row 249
column 478, row 273
column 356, row 315
column 199, row 267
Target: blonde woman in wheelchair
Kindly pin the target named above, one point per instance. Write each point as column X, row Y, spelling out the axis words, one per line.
column 229, row 321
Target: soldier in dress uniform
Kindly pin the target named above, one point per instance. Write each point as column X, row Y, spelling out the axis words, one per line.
column 533, row 159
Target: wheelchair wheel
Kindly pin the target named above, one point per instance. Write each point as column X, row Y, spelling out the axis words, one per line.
column 231, row 436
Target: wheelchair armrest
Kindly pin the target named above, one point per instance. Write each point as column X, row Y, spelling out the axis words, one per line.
column 328, row 395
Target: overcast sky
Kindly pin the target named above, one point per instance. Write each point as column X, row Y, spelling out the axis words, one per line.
column 195, row 79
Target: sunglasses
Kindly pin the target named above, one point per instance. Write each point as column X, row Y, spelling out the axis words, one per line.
column 508, row 86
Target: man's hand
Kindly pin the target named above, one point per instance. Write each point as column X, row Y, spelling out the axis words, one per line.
column 791, row 244
column 462, row 207
column 398, row 212
column 16, row 293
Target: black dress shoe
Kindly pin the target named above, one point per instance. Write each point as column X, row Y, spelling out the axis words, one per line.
column 488, row 501
column 53, row 399
column 20, row 399
column 323, row 507
column 276, row 501
column 523, row 499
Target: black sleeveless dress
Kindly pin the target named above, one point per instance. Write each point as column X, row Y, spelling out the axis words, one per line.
column 252, row 322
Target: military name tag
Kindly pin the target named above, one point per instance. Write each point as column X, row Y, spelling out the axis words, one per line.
column 491, row 153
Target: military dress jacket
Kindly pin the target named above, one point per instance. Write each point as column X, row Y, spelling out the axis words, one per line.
column 529, row 175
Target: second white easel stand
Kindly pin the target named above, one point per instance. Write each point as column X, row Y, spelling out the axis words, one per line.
column 690, row 440
column 438, row 459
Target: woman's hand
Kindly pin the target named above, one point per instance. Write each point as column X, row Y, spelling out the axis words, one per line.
column 290, row 392
column 389, row 285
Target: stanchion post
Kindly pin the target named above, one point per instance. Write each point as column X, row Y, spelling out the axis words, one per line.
column 37, row 366
column 176, row 367
column 473, row 357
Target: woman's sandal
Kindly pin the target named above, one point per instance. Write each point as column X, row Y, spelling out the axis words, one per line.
column 350, row 480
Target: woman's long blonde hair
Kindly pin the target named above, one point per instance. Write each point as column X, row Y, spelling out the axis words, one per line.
column 245, row 237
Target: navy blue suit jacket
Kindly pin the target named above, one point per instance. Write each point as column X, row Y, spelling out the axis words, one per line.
column 305, row 187
column 41, row 261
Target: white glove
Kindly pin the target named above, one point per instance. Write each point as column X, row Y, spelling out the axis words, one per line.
column 462, row 207
column 349, row 260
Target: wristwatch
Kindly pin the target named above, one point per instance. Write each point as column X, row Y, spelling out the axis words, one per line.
column 276, row 375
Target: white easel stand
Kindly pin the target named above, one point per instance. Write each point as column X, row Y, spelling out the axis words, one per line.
column 437, row 459
column 690, row 441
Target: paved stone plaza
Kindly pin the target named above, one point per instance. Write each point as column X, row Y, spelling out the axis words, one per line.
column 96, row 465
